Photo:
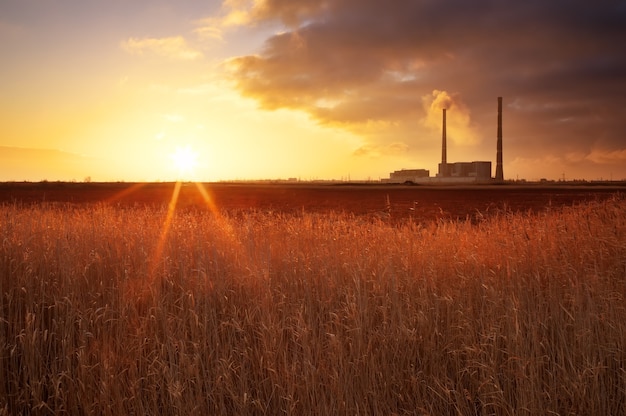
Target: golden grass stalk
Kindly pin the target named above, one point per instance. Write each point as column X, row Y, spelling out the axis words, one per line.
column 258, row 313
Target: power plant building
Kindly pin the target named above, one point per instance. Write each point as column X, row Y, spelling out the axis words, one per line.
column 476, row 171
column 409, row 175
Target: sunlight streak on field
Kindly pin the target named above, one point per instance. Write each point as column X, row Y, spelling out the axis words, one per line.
column 228, row 232
column 210, row 204
column 208, row 199
column 158, row 252
column 126, row 192
column 225, row 232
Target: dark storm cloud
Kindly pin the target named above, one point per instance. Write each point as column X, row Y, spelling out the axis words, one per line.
column 560, row 64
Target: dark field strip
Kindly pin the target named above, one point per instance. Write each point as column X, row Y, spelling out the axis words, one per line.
column 399, row 202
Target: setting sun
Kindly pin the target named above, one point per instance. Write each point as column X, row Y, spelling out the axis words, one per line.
column 185, row 160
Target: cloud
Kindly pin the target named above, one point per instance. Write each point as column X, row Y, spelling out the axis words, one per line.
column 377, row 151
column 607, row 157
column 596, row 162
column 208, row 32
column 210, row 28
column 351, row 63
column 237, row 12
column 245, row 12
column 175, row 47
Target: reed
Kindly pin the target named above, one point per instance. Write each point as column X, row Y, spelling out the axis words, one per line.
column 107, row 311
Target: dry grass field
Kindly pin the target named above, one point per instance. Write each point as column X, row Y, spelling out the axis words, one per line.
column 420, row 203
column 117, row 309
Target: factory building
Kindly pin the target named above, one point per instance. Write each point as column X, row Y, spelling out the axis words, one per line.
column 476, row 171
column 409, row 175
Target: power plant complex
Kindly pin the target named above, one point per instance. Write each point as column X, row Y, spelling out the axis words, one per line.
column 457, row 172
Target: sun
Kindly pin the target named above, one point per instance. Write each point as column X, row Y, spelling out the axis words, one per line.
column 185, row 159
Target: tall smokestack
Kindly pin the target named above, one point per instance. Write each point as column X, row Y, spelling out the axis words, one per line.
column 499, row 172
column 444, row 150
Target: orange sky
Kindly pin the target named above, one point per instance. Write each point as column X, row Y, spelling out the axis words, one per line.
column 309, row 89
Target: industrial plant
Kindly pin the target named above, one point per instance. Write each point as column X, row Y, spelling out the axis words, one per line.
column 457, row 172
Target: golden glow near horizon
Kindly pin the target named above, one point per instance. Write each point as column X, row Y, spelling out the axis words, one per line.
column 254, row 92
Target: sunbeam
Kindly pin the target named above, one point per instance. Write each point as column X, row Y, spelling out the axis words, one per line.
column 158, row 252
column 125, row 192
column 224, row 222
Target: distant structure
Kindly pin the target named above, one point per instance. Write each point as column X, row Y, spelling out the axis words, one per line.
column 457, row 172
column 499, row 171
column 409, row 175
column 443, row 166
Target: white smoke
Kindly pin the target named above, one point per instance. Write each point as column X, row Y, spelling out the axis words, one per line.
column 458, row 121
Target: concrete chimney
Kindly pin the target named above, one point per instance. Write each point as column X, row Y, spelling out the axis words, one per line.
column 499, row 172
column 444, row 146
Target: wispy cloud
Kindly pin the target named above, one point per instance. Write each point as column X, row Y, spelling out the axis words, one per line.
column 377, row 151
column 208, row 31
column 173, row 118
column 233, row 13
column 175, row 47
column 245, row 12
column 607, row 157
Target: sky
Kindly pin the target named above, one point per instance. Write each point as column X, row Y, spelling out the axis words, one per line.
column 159, row 90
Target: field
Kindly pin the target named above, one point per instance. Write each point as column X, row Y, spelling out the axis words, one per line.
column 298, row 299
column 422, row 203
